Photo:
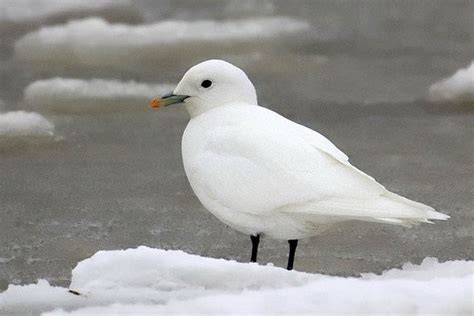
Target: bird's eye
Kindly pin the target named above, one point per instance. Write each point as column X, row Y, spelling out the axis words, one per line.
column 206, row 83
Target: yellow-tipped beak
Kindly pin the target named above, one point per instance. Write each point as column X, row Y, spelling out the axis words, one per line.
column 155, row 103
column 167, row 100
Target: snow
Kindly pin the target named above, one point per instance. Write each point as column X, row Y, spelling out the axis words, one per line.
column 19, row 127
column 77, row 96
column 457, row 88
column 24, row 124
column 155, row 281
column 39, row 11
column 94, row 41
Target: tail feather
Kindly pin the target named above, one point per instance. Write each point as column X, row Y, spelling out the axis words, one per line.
column 403, row 221
column 437, row 215
column 395, row 221
column 387, row 207
column 421, row 212
column 427, row 211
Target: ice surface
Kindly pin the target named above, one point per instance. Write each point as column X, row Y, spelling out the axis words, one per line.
column 146, row 280
column 85, row 96
column 94, row 41
column 457, row 88
column 24, row 124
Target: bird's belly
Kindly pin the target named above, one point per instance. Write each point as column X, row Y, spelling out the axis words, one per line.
column 287, row 224
column 243, row 192
column 274, row 224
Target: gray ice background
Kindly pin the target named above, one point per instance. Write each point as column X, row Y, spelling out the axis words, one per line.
column 359, row 77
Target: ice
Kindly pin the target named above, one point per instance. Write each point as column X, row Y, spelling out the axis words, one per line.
column 24, row 124
column 96, row 42
column 457, row 88
column 62, row 95
column 20, row 123
column 36, row 12
column 19, row 128
column 146, row 280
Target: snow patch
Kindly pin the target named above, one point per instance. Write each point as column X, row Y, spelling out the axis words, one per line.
column 89, row 96
column 24, row 124
column 146, row 280
column 24, row 127
column 457, row 88
column 36, row 12
column 94, row 41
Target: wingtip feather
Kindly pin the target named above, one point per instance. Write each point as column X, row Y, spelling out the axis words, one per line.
column 437, row 216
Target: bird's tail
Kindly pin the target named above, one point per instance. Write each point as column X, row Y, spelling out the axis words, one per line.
column 420, row 213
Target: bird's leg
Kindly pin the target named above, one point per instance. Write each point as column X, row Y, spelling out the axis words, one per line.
column 255, row 240
column 291, row 257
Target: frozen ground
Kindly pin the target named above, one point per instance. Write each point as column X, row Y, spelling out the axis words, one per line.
column 457, row 88
column 76, row 96
column 360, row 76
column 153, row 281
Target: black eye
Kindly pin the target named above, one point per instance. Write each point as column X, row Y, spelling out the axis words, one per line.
column 206, row 83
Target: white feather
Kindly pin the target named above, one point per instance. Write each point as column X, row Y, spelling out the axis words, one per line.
column 247, row 159
column 262, row 173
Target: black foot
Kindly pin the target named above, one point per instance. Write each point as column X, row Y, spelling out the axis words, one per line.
column 291, row 257
column 255, row 240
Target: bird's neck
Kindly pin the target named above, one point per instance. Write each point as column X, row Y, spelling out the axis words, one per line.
column 195, row 110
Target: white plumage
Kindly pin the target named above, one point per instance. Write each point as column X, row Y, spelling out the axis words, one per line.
column 261, row 173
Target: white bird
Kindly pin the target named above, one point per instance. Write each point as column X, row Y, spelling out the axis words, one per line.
column 263, row 174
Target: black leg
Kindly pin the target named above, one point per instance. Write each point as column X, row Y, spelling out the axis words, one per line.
column 255, row 240
column 291, row 257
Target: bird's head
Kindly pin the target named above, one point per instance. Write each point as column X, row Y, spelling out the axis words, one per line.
column 208, row 85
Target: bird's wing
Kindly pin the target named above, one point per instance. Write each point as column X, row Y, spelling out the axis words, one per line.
column 317, row 140
column 275, row 165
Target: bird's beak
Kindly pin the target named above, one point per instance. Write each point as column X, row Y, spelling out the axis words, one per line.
column 166, row 100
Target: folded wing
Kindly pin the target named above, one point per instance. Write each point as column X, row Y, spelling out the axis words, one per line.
column 275, row 165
